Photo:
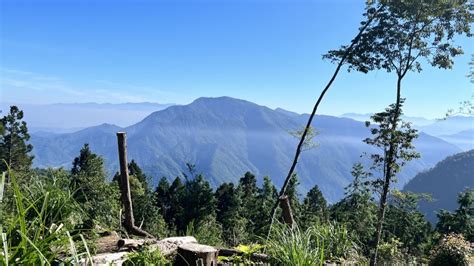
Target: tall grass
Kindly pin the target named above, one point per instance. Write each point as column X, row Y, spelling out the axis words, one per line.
column 35, row 231
column 313, row 246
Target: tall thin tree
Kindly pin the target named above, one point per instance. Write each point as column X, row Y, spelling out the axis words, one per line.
column 403, row 32
column 370, row 13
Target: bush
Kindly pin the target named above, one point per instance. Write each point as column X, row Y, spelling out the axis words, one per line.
column 390, row 252
column 453, row 249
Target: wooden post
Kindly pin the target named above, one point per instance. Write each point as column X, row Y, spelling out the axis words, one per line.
column 287, row 213
column 125, row 188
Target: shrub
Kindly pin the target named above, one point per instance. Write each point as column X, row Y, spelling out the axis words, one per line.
column 453, row 249
column 390, row 252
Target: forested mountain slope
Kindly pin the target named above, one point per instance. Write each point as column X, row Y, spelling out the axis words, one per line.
column 444, row 182
column 225, row 137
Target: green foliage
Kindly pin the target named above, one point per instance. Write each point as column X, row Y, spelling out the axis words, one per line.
column 248, row 251
column 248, row 192
column 14, row 147
column 390, row 252
column 292, row 193
column 197, row 201
column 267, row 195
column 98, row 198
column 308, row 143
column 168, row 199
column 291, row 246
column 145, row 211
column 461, row 221
column 246, row 256
column 452, row 250
column 37, row 230
column 357, row 210
column 405, row 223
column 314, row 208
column 320, row 242
column 446, row 180
column 146, row 256
column 384, row 138
column 207, row 231
column 404, row 31
column 228, row 214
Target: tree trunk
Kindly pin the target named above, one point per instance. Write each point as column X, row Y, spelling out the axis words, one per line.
column 311, row 117
column 390, row 157
column 125, row 189
column 287, row 213
column 196, row 254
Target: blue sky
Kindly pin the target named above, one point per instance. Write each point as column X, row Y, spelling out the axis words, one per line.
column 268, row 52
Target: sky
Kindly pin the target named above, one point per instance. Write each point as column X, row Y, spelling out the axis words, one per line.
column 265, row 51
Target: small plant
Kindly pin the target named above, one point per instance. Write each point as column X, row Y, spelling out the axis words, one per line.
column 453, row 249
column 248, row 251
column 246, row 254
column 146, row 257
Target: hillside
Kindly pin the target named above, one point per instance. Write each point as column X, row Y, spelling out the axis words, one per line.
column 444, row 182
column 226, row 137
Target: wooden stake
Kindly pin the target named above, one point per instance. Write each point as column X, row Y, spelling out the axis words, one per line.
column 125, row 188
column 287, row 213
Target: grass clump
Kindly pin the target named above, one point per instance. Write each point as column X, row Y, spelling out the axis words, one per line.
column 36, row 230
column 313, row 246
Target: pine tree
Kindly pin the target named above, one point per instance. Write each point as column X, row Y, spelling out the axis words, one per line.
column 461, row 221
column 357, row 210
column 99, row 199
column 247, row 190
column 293, row 195
column 197, row 201
column 228, row 214
column 174, row 216
column 405, row 223
column 162, row 196
column 267, row 195
column 314, row 208
column 14, row 149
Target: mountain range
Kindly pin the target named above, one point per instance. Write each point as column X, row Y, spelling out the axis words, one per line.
column 225, row 137
column 444, row 182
